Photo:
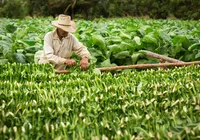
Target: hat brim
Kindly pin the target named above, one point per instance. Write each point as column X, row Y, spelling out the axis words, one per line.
column 69, row 28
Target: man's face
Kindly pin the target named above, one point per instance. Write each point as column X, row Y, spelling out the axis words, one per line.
column 62, row 33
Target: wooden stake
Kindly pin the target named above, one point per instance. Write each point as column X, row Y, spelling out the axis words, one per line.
column 139, row 66
column 62, row 71
column 149, row 66
column 155, row 55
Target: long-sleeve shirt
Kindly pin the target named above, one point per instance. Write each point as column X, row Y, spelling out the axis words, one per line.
column 56, row 51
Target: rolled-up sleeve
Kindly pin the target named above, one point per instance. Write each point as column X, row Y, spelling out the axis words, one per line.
column 80, row 49
column 49, row 51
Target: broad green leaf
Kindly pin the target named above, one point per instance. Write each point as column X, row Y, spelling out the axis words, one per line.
column 20, row 33
column 115, row 31
column 24, row 44
column 188, row 57
column 197, row 56
column 150, row 39
column 194, row 46
column 115, row 48
column 30, row 42
column 137, row 40
column 6, row 38
column 96, row 71
column 38, row 55
column 93, row 60
column 11, row 28
column 127, row 46
column 20, row 58
column 165, row 37
column 21, row 51
column 4, row 61
column 95, row 52
column 143, row 30
column 181, row 40
column 99, row 41
column 176, row 49
column 122, row 55
column 107, row 63
column 30, row 57
column 5, row 44
column 142, row 61
column 114, row 40
column 32, row 49
column 124, row 35
column 145, row 27
column 6, row 48
column 135, row 57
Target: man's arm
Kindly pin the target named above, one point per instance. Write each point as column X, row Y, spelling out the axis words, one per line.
column 81, row 51
column 49, row 51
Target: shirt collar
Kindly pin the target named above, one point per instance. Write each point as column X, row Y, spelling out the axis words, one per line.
column 55, row 35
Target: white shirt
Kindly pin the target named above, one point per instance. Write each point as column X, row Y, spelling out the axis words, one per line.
column 56, row 51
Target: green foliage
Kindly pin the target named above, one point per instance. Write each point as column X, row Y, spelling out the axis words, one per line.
column 154, row 9
column 14, row 9
column 110, row 42
column 150, row 104
column 182, row 9
column 19, row 42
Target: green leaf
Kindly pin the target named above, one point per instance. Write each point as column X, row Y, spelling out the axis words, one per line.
column 93, row 60
column 11, row 28
column 32, row 49
column 127, row 46
column 6, row 38
column 20, row 58
column 135, row 57
column 124, row 36
column 165, row 37
column 30, row 57
column 142, row 61
column 197, row 55
column 122, row 55
column 137, row 40
column 150, row 39
column 21, row 51
column 194, row 46
column 5, row 44
column 30, row 42
column 20, row 33
column 37, row 55
column 114, row 40
column 99, row 41
column 176, row 49
column 96, row 53
column 4, row 61
column 115, row 48
column 96, row 71
column 188, row 57
column 6, row 48
column 181, row 40
column 107, row 63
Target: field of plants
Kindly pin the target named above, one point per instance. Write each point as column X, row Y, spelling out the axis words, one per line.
column 35, row 103
column 110, row 41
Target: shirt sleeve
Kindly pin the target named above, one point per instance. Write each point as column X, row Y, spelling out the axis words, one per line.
column 80, row 49
column 49, row 51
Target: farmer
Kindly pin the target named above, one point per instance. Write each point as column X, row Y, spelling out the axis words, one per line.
column 61, row 43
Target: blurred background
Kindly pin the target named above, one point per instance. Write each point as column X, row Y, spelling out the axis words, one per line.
column 89, row 9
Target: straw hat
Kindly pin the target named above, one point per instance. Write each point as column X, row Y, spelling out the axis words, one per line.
column 65, row 23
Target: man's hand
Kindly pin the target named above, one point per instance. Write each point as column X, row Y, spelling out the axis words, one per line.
column 70, row 62
column 84, row 63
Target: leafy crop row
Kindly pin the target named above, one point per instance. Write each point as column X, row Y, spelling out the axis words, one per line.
column 110, row 41
column 35, row 103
